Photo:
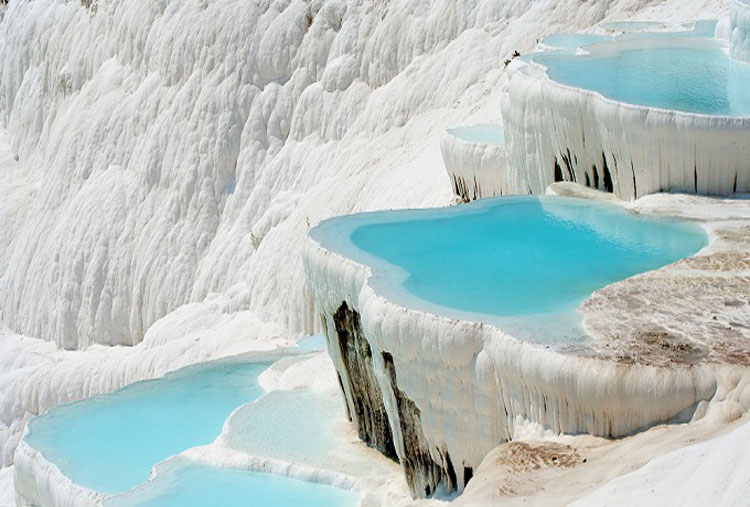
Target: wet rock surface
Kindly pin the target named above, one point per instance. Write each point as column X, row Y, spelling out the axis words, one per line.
column 422, row 473
column 366, row 407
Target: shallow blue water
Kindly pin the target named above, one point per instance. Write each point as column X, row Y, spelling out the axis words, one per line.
column 110, row 443
column 294, row 426
column 486, row 133
column 313, row 343
column 697, row 79
column 507, row 256
column 705, row 28
column 186, row 484
column 573, row 41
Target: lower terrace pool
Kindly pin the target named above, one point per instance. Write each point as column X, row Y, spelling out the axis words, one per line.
column 181, row 483
column 109, row 443
column 498, row 259
column 693, row 75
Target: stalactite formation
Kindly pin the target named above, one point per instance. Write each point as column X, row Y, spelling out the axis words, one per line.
column 422, row 472
column 397, row 434
column 366, row 407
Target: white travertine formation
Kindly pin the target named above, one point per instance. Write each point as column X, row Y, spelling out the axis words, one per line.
column 39, row 482
column 163, row 155
column 739, row 41
column 166, row 152
column 556, row 132
column 477, row 169
column 174, row 149
column 679, row 477
column 473, row 385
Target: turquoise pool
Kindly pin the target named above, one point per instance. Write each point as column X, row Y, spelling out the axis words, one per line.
column 485, row 133
column 181, row 483
column 506, row 257
column 109, row 443
column 684, row 74
column 314, row 343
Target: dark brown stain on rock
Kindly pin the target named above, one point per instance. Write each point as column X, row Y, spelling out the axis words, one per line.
column 608, row 187
column 596, row 176
column 420, row 469
column 368, row 410
column 558, row 171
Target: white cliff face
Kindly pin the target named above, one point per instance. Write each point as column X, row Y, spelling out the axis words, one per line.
column 739, row 39
column 556, row 132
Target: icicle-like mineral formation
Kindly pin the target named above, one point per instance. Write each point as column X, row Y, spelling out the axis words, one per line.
column 556, row 132
column 476, row 168
column 739, row 46
column 442, row 393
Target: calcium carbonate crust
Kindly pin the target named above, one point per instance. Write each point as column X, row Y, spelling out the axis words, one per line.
column 692, row 311
column 556, row 132
column 39, row 482
column 160, row 155
column 739, row 41
column 173, row 149
column 476, row 169
column 468, row 386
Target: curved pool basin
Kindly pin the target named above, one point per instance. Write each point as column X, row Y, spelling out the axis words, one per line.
column 482, row 133
column 502, row 258
column 110, row 443
column 682, row 74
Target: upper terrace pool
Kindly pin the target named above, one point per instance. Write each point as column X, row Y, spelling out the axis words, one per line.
column 573, row 41
column 483, row 133
column 690, row 74
column 496, row 259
